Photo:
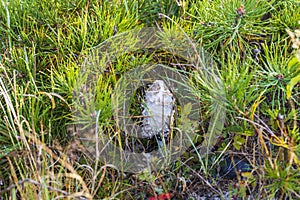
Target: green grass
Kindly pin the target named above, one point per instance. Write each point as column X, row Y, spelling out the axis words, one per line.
column 44, row 46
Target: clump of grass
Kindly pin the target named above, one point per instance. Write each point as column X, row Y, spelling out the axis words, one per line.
column 23, row 142
column 231, row 24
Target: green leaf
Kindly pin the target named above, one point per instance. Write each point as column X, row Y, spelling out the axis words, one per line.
column 235, row 129
column 158, row 190
column 240, row 131
column 145, row 175
column 290, row 86
column 238, row 142
column 187, row 108
column 293, row 62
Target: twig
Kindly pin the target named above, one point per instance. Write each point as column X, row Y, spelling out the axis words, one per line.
column 203, row 179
